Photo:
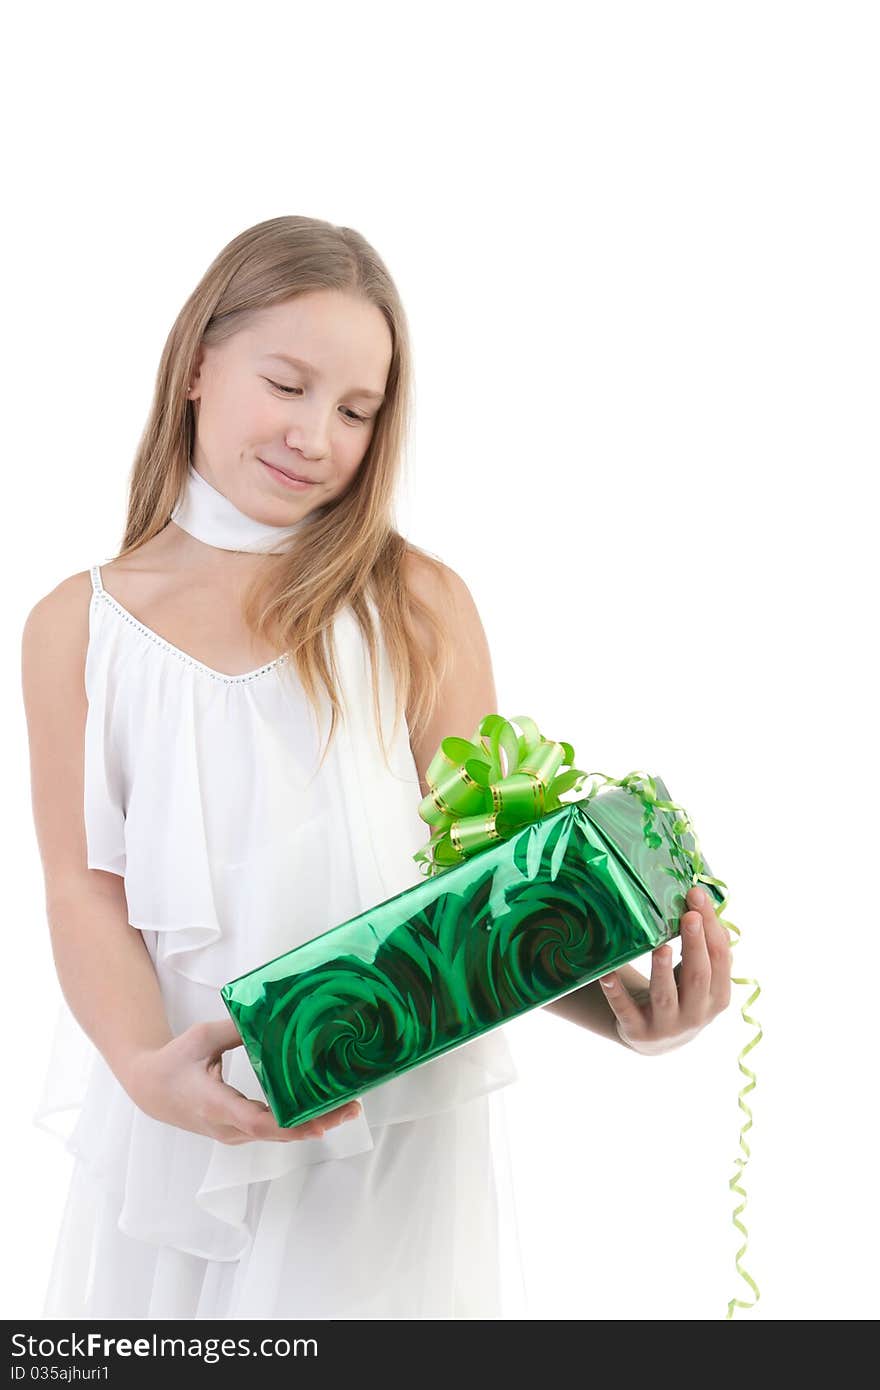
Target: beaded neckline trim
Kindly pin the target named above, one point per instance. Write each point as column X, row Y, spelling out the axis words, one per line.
column 101, row 592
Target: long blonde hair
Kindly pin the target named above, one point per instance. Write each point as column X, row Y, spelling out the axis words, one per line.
column 350, row 551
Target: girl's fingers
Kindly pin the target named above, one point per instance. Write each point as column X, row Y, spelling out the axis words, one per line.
column 252, row 1117
column 228, row 1134
column 257, row 1120
column 695, row 975
column 717, row 942
column 663, row 990
column 629, row 1015
column 209, row 1037
column 721, row 958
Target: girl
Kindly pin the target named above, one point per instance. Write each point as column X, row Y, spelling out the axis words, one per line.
column 230, row 723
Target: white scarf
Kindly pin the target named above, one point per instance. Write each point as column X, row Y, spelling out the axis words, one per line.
column 210, row 516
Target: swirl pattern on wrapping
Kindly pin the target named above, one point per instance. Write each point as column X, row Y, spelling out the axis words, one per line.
column 510, row 929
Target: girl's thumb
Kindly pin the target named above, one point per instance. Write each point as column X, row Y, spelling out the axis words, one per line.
column 219, row 1034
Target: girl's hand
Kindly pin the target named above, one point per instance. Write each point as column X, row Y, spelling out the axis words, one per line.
column 671, row 1009
column 182, row 1084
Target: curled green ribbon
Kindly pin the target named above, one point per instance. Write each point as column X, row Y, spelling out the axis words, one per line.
column 474, row 800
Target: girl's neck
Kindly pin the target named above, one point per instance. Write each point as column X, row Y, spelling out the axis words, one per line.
column 212, row 519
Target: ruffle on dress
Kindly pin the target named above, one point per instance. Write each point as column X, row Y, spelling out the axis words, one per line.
column 233, row 850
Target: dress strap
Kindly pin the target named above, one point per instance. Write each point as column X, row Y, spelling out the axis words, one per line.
column 97, row 586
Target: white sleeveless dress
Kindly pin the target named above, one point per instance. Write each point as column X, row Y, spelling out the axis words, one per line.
column 202, row 790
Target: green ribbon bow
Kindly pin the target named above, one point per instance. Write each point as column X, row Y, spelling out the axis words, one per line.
column 474, row 800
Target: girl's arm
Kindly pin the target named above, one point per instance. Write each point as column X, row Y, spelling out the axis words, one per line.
column 103, row 966
column 467, row 694
column 107, row 976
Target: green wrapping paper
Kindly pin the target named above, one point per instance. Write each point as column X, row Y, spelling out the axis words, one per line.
column 565, row 899
column 527, row 898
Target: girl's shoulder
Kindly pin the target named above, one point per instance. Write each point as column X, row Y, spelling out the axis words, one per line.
column 61, row 617
column 430, row 582
column 440, row 589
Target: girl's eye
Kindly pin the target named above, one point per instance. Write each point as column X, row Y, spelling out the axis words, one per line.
column 289, row 390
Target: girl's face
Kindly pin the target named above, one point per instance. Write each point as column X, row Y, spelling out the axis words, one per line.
column 314, row 418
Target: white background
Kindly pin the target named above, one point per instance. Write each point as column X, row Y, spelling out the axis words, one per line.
column 637, row 246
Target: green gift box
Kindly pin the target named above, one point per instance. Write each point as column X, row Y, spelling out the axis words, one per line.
column 527, row 898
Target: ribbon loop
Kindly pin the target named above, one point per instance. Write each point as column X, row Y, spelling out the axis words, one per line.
column 475, row 798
